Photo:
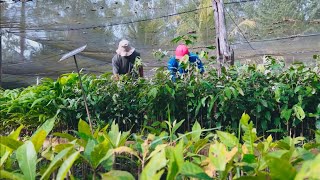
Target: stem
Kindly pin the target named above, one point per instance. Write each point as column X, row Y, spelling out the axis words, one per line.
column 256, row 122
column 288, row 128
column 230, row 175
column 188, row 115
column 239, row 131
column 83, row 94
column 302, row 129
column 94, row 175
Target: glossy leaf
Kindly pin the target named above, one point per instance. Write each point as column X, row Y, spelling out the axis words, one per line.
column 60, row 147
column 175, row 160
column 5, row 153
column 66, row 165
column 83, row 127
column 9, row 175
column 156, row 151
column 250, row 134
column 281, row 169
column 100, row 153
column 125, row 149
column 191, row 170
column 156, row 163
column 176, row 126
column 9, row 142
column 65, row 135
column 55, row 163
column 217, row 155
column 48, row 125
column 15, row 134
column 38, row 138
column 196, row 131
column 89, row 148
column 27, row 159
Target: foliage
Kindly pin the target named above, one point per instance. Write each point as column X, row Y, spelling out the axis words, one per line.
column 281, row 100
column 190, row 155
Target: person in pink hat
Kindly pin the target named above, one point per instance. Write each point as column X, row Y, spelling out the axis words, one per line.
column 123, row 61
column 174, row 65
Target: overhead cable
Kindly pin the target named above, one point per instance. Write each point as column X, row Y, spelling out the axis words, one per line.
column 238, row 27
column 140, row 20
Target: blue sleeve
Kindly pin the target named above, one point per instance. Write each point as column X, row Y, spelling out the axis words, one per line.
column 195, row 59
column 173, row 67
column 200, row 66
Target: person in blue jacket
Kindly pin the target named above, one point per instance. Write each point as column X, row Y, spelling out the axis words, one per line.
column 174, row 65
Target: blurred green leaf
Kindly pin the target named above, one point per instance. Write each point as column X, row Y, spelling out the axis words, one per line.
column 117, row 175
column 176, row 126
column 83, row 127
column 309, row 169
column 196, row 131
column 151, row 170
column 176, row 160
column 286, row 114
column 250, row 134
column 9, row 142
column 191, row 170
column 55, row 163
column 38, row 138
column 10, row 175
column 318, row 124
column 66, row 165
column 281, row 169
column 100, row 153
column 211, row 47
column 228, row 92
column 16, row 133
column 228, row 139
column 299, row 112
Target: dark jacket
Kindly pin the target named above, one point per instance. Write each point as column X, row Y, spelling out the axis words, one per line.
column 123, row 64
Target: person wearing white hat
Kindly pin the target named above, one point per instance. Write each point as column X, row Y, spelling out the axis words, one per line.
column 123, row 61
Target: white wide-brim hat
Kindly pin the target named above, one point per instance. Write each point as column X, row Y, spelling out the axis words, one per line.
column 124, row 48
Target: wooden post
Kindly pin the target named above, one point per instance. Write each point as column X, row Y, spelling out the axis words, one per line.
column 224, row 53
column 0, row 58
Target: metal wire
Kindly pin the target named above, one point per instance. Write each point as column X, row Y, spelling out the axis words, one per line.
column 131, row 22
column 238, row 27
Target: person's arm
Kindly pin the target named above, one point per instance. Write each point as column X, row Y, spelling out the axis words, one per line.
column 115, row 65
column 173, row 68
column 200, row 65
column 194, row 58
column 141, row 71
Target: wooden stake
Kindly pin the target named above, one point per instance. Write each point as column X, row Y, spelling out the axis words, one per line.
column 0, row 59
column 224, row 52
